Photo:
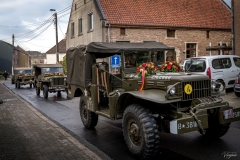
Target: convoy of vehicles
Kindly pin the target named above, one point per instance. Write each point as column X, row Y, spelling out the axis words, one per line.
column 49, row 78
column 22, row 76
column 176, row 102
column 170, row 102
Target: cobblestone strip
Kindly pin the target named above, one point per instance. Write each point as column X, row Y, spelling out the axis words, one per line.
column 28, row 132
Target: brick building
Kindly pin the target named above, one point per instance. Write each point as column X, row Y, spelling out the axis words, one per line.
column 189, row 26
column 236, row 26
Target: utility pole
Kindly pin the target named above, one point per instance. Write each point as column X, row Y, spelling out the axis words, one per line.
column 56, row 26
column 13, row 52
column 57, row 50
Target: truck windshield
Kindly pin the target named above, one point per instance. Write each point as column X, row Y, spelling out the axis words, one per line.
column 51, row 70
column 198, row 65
column 24, row 71
column 135, row 58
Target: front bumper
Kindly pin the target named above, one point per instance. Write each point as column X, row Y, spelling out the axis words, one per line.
column 236, row 88
column 57, row 89
column 187, row 123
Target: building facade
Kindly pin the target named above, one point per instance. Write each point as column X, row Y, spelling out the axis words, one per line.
column 37, row 57
column 51, row 56
column 180, row 24
column 236, row 26
column 6, row 51
column 21, row 58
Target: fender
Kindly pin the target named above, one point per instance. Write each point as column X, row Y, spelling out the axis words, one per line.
column 153, row 95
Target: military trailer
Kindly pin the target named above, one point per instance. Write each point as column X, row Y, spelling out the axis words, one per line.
column 22, row 76
column 170, row 102
column 49, row 78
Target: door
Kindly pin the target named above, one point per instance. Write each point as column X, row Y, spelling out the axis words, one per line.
column 229, row 71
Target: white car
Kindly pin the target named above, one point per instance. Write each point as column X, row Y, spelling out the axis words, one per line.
column 223, row 68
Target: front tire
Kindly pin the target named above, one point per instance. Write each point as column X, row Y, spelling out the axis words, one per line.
column 37, row 91
column 140, row 131
column 45, row 91
column 30, row 85
column 89, row 118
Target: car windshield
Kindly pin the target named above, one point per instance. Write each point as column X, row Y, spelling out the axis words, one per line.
column 24, row 71
column 52, row 70
column 198, row 65
column 135, row 58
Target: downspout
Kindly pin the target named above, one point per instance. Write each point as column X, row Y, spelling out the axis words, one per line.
column 109, row 25
column 233, row 32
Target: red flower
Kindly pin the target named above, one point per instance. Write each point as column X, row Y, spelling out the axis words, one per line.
column 144, row 65
column 169, row 66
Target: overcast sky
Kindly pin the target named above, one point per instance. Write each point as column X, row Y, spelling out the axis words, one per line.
column 25, row 19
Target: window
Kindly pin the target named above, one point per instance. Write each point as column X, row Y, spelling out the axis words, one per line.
column 190, row 50
column 236, row 61
column 122, row 31
column 170, row 33
column 72, row 29
column 207, row 34
column 221, row 63
column 90, row 21
column 80, row 26
column 41, row 61
column 75, row 6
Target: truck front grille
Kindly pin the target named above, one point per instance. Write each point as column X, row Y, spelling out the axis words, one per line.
column 199, row 89
column 58, row 81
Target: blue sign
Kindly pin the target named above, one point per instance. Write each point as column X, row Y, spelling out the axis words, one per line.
column 115, row 61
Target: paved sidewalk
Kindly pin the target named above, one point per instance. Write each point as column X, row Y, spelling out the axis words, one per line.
column 26, row 134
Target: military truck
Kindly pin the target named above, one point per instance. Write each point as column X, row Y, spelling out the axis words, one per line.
column 49, row 78
column 22, row 76
column 170, row 102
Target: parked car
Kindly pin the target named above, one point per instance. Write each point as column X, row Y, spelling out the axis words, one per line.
column 237, row 86
column 223, row 68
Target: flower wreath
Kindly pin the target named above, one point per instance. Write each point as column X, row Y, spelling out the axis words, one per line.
column 147, row 68
column 48, row 74
column 58, row 74
column 171, row 66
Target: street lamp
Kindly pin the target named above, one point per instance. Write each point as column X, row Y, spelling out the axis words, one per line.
column 57, row 50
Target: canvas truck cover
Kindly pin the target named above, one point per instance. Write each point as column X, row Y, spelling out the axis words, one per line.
column 81, row 58
column 79, row 66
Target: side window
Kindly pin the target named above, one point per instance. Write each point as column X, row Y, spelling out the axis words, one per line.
column 226, row 62
column 236, row 61
column 216, row 64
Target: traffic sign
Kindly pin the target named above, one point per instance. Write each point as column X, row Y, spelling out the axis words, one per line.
column 115, row 61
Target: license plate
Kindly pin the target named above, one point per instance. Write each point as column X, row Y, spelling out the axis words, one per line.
column 227, row 114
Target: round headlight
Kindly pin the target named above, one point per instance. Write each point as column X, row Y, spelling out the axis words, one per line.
column 65, row 79
column 172, row 91
column 50, row 79
column 213, row 85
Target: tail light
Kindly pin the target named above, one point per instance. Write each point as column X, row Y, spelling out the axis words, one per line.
column 209, row 73
column 236, row 80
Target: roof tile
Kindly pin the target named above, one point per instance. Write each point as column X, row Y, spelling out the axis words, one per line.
column 175, row 13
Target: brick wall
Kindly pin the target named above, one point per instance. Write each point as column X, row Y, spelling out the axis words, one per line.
column 179, row 42
column 237, row 26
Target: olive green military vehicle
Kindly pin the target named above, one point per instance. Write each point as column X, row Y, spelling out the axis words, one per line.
column 49, row 78
column 22, row 76
column 170, row 102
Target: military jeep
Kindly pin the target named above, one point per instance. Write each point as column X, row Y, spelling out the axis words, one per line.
column 49, row 78
column 22, row 76
column 170, row 102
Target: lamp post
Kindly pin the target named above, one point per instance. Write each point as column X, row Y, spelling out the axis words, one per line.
column 55, row 21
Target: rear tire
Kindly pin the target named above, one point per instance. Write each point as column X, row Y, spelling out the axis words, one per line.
column 140, row 131
column 89, row 118
column 18, row 84
column 237, row 94
column 45, row 91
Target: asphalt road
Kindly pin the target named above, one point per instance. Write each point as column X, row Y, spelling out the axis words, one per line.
column 108, row 138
